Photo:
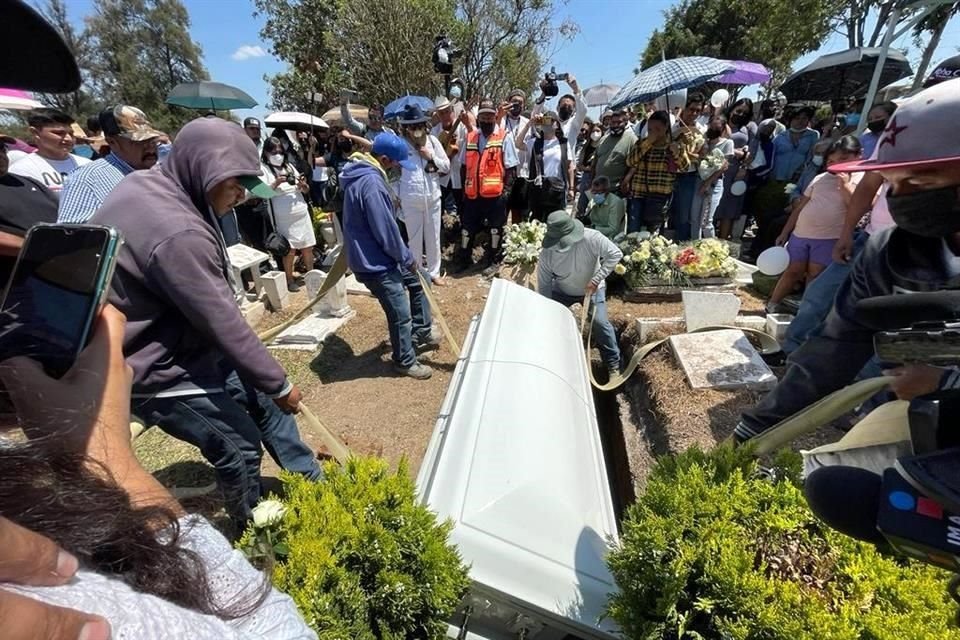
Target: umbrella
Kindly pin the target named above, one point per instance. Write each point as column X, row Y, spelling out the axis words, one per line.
column 669, row 75
column 599, row 94
column 357, row 111
column 946, row 70
column 395, row 108
column 29, row 38
column 744, row 72
column 209, row 95
column 844, row 74
column 295, row 120
column 17, row 100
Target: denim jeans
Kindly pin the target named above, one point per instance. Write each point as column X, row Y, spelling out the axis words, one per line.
column 684, row 189
column 647, row 213
column 604, row 335
column 702, row 210
column 818, row 299
column 405, row 305
column 228, row 427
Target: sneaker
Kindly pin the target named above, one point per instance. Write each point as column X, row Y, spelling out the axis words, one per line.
column 292, row 286
column 612, row 372
column 431, row 342
column 416, row 371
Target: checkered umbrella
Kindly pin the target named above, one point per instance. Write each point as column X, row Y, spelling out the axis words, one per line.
column 669, row 75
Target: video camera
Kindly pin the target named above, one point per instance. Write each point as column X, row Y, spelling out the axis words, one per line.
column 444, row 52
column 550, row 88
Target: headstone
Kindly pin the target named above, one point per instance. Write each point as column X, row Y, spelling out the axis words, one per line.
column 334, row 303
column 722, row 359
column 777, row 325
column 356, row 287
column 703, row 309
column 252, row 312
column 275, row 289
column 241, row 258
column 307, row 334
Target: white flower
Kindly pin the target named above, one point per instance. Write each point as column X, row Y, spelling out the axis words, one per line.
column 643, row 235
column 620, row 269
column 268, row 513
column 790, row 188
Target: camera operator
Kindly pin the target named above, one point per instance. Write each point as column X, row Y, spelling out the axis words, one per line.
column 571, row 107
column 919, row 156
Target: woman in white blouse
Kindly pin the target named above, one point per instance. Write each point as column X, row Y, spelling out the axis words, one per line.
column 94, row 547
column 289, row 211
column 551, row 172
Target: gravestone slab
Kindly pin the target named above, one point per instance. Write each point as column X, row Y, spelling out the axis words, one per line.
column 722, row 359
column 703, row 309
column 241, row 258
column 356, row 287
column 309, row 333
column 252, row 312
column 275, row 289
column 334, row 302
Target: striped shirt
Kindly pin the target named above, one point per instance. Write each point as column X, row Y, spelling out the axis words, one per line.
column 88, row 187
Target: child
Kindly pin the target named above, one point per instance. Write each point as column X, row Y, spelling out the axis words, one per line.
column 817, row 221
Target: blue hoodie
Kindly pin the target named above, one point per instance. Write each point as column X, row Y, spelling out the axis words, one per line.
column 372, row 238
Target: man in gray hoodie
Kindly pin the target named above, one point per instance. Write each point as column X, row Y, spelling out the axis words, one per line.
column 199, row 371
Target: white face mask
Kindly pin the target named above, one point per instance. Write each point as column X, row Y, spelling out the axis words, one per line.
column 595, row 135
column 818, row 161
column 275, row 159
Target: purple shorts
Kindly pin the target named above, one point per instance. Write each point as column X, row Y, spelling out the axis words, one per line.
column 810, row 250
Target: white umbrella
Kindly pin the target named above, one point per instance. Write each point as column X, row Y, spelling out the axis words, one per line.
column 295, row 120
column 599, row 94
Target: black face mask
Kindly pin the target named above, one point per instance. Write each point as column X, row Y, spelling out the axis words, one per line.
column 713, row 134
column 877, row 126
column 739, row 119
column 931, row 214
column 486, row 128
column 515, row 109
column 345, row 147
column 565, row 111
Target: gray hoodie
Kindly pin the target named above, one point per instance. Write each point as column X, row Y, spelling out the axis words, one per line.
column 171, row 276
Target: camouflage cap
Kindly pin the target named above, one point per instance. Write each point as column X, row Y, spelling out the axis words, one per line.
column 127, row 122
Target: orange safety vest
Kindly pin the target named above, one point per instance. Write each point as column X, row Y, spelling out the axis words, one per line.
column 485, row 171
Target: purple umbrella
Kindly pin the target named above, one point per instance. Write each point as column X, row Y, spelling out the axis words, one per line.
column 744, row 73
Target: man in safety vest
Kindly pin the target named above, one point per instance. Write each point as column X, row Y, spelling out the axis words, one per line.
column 488, row 164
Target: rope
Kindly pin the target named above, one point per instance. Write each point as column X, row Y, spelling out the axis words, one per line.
column 438, row 314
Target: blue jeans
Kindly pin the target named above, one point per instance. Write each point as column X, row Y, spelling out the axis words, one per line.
column 702, row 210
column 228, row 427
column 684, row 189
column 408, row 312
column 604, row 336
column 818, row 299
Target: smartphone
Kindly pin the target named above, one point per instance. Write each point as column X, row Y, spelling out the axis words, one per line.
column 55, row 292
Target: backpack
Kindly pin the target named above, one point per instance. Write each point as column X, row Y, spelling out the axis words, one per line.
column 553, row 191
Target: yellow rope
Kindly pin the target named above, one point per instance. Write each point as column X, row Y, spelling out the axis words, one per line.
column 438, row 314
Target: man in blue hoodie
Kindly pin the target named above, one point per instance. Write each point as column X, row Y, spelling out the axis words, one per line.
column 379, row 257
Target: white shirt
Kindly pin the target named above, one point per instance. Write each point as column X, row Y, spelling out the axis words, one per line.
column 552, row 158
column 571, row 128
column 513, row 129
column 452, row 178
column 49, row 173
column 419, row 183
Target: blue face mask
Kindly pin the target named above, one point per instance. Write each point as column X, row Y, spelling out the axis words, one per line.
column 599, row 198
column 853, row 119
column 456, row 92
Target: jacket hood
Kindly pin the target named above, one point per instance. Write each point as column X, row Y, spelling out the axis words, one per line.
column 360, row 166
column 206, row 152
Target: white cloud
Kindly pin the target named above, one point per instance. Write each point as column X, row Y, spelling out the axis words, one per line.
column 249, row 51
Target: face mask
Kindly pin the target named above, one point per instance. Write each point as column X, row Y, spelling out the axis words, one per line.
column 515, row 109
column 877, row 126
column 931, row 214
column 713, row 134
column 797, row 129
column 565, row 112
column 595, row 135
column 276, row 159
column 456, row 92
column 617, row 131
column 739, row 119
column 599, row 197
column 486, row 128
column 853, row 119
column 817, row 161
column 418, row 134
column 345, row 147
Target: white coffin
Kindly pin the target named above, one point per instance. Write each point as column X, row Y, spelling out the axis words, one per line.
column 516, row 462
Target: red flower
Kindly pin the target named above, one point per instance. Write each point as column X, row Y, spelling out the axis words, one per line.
column 687, row 256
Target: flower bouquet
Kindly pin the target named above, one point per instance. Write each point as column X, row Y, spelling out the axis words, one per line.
column 709, row 258
column 655, row 261
column 521, row 250
column 710, row 164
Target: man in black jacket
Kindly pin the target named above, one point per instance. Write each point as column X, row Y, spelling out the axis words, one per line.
column 919, row 155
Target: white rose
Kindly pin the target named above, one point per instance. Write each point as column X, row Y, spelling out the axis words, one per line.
column 268, row 513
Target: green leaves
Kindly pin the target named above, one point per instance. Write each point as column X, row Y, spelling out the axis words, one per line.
column 711, row 551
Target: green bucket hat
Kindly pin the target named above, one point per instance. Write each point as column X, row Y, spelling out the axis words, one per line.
column 562, row 230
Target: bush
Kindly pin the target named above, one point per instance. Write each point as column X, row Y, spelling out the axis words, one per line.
column 360, row 556
column 712, row 551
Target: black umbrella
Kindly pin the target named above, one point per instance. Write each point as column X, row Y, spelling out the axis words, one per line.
column 35, row 56
column 946, row 70
column 846, row 74
column 209, row 95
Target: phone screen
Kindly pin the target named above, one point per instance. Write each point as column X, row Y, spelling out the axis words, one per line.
column 53, row 295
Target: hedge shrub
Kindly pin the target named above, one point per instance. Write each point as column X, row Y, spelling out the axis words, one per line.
column 361, row 557
column 713, row 551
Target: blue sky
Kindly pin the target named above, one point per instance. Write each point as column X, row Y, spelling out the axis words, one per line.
column 612, row 35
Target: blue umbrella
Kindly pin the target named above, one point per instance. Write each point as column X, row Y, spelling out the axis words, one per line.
column 395, row 109
column 669, row 75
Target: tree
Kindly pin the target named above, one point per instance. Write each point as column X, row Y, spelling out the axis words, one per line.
column 143, row 49
column 384, row 49
column 80, row 103
column 771, row 32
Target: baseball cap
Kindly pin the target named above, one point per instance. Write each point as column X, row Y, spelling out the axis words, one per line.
column 486, row 106
column 922, row 131
column 257, row 187
column 251, row 122
column 392, row 146
column 127, row 122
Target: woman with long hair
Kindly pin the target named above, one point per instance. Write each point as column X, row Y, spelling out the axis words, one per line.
column 551, row 173
column 130, row 563
column 742, row 132
column 289, row 211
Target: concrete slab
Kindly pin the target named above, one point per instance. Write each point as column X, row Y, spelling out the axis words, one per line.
column 704, row 309
column 722, row 359
column 356, row 287
column 309, row 333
